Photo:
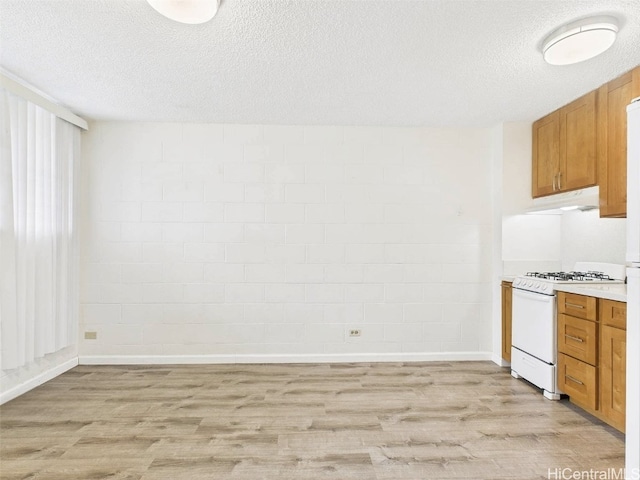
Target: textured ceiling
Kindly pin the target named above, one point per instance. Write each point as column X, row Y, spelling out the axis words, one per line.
column 322, row 62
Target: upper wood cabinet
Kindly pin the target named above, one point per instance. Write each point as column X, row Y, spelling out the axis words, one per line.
column 578, row 145
column 546, row 154
column 613, row 98
column 565, row 148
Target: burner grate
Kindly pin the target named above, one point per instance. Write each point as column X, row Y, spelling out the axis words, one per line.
column 589, row 276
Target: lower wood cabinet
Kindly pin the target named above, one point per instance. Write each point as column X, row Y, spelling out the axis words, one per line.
column 613, row 368
column 592, row 353
column 506, row 320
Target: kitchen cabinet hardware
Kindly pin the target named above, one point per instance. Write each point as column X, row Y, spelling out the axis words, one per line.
column 573, row 305
column 575, row 380
column 577, row 339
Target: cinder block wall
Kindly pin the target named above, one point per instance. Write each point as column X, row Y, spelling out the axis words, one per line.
column 264, row 240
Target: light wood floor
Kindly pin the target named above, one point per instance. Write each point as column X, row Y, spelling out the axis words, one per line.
column 384, row 421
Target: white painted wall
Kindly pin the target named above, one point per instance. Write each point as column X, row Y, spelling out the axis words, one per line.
column 516, row 167
column 276, row 240
column 586, row 236
column 529, row 242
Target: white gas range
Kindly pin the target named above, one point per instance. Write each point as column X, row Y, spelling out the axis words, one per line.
column 534, row 327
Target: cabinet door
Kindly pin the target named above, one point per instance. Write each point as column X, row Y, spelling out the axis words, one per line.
column 578, row 144
column 613, row 371
column 613, row 99
column 613, row 313
column 546, row 154
column 506, row 320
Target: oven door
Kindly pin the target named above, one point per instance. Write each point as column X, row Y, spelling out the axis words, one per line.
column 534, row 324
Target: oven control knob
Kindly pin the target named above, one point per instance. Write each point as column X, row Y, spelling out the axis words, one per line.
column 544, row 287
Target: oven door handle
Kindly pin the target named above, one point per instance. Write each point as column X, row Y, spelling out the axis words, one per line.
column 538, row 297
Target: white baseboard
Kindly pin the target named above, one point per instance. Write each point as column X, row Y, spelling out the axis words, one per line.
column 297, row 358
column 37, row 380
column 498, row 360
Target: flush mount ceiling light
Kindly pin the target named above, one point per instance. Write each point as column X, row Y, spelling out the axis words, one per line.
column 580, row 40
column 187, row 11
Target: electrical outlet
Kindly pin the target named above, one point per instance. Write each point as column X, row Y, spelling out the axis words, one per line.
column 355, row 332
column 90, row 335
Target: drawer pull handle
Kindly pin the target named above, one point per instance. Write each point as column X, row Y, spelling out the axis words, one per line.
column 569, row 377
column 576, row 339
column 573, row 305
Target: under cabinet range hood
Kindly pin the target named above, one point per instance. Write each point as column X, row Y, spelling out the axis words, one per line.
column 584, row 199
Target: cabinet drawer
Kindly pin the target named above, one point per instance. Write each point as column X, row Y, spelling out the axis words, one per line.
column 579, row 306
column 613, row 313
column 578, row 338
column 578, row 380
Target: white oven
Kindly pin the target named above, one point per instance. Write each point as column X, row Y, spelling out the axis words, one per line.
column 534, row 339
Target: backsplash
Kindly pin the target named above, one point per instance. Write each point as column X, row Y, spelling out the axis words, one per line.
column 531, row 243
column 587, row 237
column 557, row 242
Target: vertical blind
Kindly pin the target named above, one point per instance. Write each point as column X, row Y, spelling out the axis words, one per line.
column 39, row 159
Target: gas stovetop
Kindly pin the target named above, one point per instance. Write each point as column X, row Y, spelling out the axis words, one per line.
column 585, row 273
column 561, row 277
